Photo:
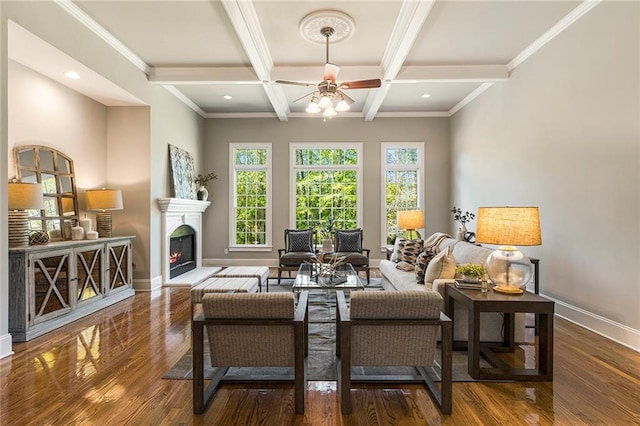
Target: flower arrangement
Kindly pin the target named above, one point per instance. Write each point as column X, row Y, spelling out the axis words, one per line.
column 462, row 217
column 472, row 270
column 203, row 180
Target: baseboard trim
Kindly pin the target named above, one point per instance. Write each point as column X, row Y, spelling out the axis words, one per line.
column 148, row 285
column 5, row 346
column 612, row 330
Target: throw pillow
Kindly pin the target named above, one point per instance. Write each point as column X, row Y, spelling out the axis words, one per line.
column 443, row 265
column 422, row 261
column 349, row 240
column 396, row 248
column 408, row 251
column 300, row 240
column 405, row 266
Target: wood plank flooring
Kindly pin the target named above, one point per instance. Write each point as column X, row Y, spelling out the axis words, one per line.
column 106, row 369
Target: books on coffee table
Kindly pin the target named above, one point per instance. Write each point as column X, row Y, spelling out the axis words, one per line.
column 468, row 284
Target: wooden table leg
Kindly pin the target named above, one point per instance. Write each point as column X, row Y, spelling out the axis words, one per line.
column 473, row 342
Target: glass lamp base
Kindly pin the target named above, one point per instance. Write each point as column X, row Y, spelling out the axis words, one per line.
column 509, row 270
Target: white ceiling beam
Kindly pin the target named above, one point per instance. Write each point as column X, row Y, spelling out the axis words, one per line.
column 245, row 22
column 203, row 75
column 410, row 20
column 452, row 73
column 246, row 75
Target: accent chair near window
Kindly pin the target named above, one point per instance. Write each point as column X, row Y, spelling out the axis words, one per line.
column 348, row 243
column 299, row 248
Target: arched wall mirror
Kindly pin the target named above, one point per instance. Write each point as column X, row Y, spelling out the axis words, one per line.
column 54, row 170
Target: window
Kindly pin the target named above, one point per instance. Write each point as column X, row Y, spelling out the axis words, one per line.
column 251, row 196
column 402, row 184
column 325, row 184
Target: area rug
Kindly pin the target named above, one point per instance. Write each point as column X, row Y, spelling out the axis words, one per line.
column 321, row 362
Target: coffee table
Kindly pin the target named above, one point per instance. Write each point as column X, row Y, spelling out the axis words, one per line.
column 477, row 302
column 308, row 278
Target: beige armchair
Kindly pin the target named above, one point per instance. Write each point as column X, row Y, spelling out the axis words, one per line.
column 385, row 328
column 250, row 330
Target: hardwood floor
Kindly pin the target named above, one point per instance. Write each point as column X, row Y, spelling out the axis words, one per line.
column 107, row 369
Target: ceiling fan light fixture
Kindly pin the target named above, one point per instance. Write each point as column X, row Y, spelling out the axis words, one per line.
column 313, row 107
column 342, row 106
column 329, row 112
column 325, row 102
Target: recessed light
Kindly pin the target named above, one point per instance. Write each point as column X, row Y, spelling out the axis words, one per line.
column 228, row 97
column 72, row 75
column 426, row 95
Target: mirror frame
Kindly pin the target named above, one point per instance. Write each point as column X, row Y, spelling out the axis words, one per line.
column 48, row 219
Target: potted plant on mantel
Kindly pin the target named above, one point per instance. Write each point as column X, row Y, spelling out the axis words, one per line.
column 202, row 181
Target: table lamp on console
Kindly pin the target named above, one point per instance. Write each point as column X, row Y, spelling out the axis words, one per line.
column 22, row 196
column 507, row 267
column 410, row 220
column 103, row 201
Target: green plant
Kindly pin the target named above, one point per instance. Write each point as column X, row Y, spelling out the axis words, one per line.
column 203, row 180
column 471, row 270
column 462, row 217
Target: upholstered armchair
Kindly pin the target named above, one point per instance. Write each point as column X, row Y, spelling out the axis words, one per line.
column 250, row 330
column 299, row 248
column 348, row 243
column 393, row 328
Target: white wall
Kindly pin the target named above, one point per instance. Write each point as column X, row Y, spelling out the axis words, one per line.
column 434, row 132
column 563, row 134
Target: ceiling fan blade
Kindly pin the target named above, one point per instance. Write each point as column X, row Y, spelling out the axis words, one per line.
column 361, row 84
column 331, row 72
column 297, row 83
column 302, row 97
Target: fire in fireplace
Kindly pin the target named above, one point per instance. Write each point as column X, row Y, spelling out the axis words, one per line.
column 182, row 250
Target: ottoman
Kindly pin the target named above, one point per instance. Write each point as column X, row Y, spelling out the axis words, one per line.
column 259, row 272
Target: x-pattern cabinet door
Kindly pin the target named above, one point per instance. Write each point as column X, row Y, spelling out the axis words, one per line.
column 118, row 266
column 90, row 269
column 52, row 277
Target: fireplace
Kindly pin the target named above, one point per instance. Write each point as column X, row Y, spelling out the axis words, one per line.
column 182, row 250
column 176, row 215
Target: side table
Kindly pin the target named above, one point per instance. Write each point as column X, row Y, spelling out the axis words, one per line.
column 476, row 302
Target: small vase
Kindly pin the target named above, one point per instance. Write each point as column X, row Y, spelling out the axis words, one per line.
column 327, row 245
column 202, row 193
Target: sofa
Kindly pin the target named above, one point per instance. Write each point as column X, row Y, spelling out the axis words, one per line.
column 395, row 279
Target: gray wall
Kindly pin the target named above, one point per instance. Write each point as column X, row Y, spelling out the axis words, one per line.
column 563, row 134
column 434, row 132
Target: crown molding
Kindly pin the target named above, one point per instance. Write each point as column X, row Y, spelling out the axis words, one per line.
column 471, row 96
column 105, row 35
column 188, row 102
column 203, row 75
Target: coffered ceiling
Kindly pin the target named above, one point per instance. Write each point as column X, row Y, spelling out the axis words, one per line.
column 203, row 51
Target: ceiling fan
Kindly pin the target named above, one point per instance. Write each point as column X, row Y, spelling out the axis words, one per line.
column 329, row 97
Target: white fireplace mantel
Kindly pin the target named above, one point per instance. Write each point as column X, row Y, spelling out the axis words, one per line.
column 177, row 212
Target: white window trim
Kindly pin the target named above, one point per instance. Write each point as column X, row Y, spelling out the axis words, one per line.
column 383, row 176
column 268, row 246
column 324, row 145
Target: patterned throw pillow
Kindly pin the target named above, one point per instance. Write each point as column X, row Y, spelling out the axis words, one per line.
column 422, row 261
column 300, row 240
column 349, row 240
column 408, row 251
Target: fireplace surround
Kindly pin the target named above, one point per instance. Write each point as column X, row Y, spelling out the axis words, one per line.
column 178, row 213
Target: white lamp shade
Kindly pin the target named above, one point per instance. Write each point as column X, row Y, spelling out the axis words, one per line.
column 410, row 219
column 25, row 196
column 104, row 199
column 313, row 108
column 342, row 106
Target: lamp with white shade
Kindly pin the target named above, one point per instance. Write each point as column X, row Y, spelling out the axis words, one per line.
column 507, row 267
column 411, row 220
column 103, row 201
column 22, row 196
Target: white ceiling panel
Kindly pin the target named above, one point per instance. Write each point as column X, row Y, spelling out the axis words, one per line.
column 443, row 96
column 483, row 32
column 245, row 97
column 171, row 33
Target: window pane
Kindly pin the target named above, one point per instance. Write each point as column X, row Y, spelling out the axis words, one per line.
column 251, row 157
column 401, row 156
